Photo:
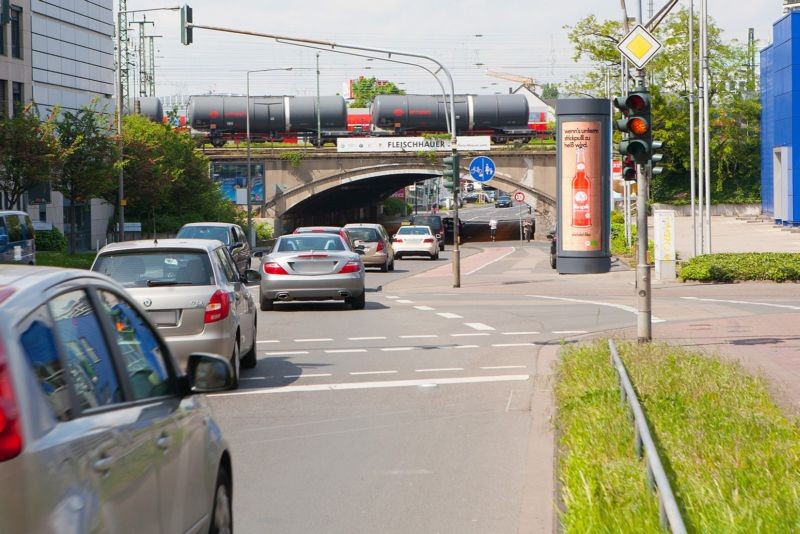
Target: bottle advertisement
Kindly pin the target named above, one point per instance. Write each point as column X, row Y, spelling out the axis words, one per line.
column 581, row 186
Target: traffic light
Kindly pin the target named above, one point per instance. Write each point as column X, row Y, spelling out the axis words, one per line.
column 655, row 158
column 186, row 17
column 451, row 172
column 628, row 168
column 5, row 11
column 636, row 123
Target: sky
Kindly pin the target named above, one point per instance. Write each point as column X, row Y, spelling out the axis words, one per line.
column 470, row 38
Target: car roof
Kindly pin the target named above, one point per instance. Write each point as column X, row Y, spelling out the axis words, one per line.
column 26, row 278
column 363, row 225
column 208, row 245
column 312, row 234
column 218, row 224
column 329, row 229
column 416, row 226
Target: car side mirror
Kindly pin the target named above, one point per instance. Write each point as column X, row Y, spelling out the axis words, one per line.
column 258, row 253
column 251, row 276
column 237, row 246
column 209, row 373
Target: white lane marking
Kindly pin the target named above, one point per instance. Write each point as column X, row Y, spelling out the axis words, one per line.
column 344, row 351
column 307, row 375
column 491, row 262
column 504, row 367
column 520, row 333
column 396, row 349
column 569, row 332
column 438, row 370
column 469, row 334
column 479, row 326
column 286, row 353
column 419, row 336
column 514, row 345
column 252, row 378
column 424, row 308
column 313, row 339
column 404, row 301
column 622, row 307
column 449, row 315
column 358, row 373
column 787, row 306
column 391, row 296
column 269, row 341
column 460, row 347
column 374, row 385
column 368, row 338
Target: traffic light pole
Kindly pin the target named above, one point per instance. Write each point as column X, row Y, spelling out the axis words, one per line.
column 644, row 324
column 456, row 236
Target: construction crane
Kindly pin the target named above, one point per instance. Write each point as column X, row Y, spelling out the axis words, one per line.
column 528, row 83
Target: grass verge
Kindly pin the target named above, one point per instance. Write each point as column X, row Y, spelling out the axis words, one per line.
column 79, row 260
column 732, row 458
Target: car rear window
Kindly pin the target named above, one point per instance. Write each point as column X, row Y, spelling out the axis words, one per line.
column 413, row 230
column 220, row 233
column 305, row 242
column 364, row 234
column 157, row 268
column 434, row 222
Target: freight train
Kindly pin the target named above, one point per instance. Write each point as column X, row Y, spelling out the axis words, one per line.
column 219, row 119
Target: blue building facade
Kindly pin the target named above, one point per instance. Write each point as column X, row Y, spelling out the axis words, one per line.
column 780, row 122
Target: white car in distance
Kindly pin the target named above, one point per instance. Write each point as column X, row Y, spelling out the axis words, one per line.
column 415, row 241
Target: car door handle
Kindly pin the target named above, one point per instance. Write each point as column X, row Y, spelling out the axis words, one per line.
column 164, row 441
column 103, row 464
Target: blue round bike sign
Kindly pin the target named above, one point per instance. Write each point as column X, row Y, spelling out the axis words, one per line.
column 482, row 169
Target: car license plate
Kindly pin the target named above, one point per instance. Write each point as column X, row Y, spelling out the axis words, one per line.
column 164, row 317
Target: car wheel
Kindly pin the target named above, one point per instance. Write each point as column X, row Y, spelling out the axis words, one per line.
column 249, row 360
column 385, row 266
column 222, row 512
column 552, row 260
column 235, row 365
column 397, row 256
column 358, row 302
column 391, row 265
column 441, row 246
column 267, row 304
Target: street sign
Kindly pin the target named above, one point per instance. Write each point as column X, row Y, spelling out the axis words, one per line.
column 411, row 144
column 639, row 46
column 482, row 168
column 519, row 196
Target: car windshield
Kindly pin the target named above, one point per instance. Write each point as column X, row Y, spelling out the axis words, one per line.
column 364, row 234
column 305, row 242
column 413, row 230
column 220, row 233
column 156, row 268
column 433, row 222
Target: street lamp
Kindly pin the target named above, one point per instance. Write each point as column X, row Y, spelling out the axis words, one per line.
column 121, row 179
column 250, row 234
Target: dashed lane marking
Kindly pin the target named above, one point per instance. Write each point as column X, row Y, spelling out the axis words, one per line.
column 438, row 370
column 344, row 351
column 479, row 326
column 449, row 315
column 367, row 338
column 520, row 333
column 304, row 375
column 514, row 345
column 313, row 339
column 396, row 349
column 424, row 308
column 470, row 334
column 269, row 341
column 360, row 373
column 286, row 353
column 404, row 301
column 504, row 367
column 413, row 336
column 570, row 332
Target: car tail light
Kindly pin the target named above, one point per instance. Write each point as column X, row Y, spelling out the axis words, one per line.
column 350, row 267
column 380, row 247
column 10, row 428
column 398, row 239
column 218, row 307
column 428, row 240
column 274, row 268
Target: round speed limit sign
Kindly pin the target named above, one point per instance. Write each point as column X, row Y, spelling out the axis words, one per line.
column 519, row 196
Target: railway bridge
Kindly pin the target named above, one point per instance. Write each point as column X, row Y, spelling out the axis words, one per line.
column 321, row 186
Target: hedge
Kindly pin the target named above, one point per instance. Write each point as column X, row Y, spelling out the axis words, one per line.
column 730, row 267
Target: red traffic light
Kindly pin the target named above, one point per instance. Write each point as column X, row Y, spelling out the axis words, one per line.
column 638, row 126
column 636, row 102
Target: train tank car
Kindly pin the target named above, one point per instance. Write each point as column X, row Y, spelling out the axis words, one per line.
column 271, row 117
column 497, row 115
column 150, row 107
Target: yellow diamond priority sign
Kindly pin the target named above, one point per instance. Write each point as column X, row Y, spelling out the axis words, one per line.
column 639, row 46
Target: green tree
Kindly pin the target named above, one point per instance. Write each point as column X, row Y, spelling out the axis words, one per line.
column 28, row 153
column 549, row 91
column 734, row 146
column 88, row 154
column 166, row 180
column 365, row 89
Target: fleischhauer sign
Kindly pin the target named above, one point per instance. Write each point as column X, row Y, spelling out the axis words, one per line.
column 410, row 144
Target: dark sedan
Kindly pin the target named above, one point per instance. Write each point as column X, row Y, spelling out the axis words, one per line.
column 503, row 201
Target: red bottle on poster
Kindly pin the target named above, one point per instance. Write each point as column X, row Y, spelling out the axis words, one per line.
column 581, row 193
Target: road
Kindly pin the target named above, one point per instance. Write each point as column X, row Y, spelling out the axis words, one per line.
column 419, row 413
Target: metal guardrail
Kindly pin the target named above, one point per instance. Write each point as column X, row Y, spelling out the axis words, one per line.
column 669, row 513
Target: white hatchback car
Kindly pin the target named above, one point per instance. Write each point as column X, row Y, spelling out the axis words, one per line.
column 415, row 241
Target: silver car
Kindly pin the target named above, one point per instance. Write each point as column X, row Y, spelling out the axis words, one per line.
column 191, row 290
column 99, row 429
column 312, row 266
column 375, row 243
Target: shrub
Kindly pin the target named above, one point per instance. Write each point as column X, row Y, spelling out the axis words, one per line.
column 263, row 231
column 395, row 206
column 51, row 240
column 729, row 267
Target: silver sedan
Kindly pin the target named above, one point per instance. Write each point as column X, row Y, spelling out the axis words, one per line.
column 312, row 266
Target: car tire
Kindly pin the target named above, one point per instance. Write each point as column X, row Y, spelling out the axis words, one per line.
column 222, row 509
column 235, row 364
column 250, row 359
column 552, row 260
column 359, row 302
column 397, row 256
column 267, row 304
column 385, row 266
column 391, row 265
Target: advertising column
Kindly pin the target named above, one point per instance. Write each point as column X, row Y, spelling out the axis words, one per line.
column 583, row 188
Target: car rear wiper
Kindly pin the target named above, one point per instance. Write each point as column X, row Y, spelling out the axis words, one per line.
column 158, row 283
